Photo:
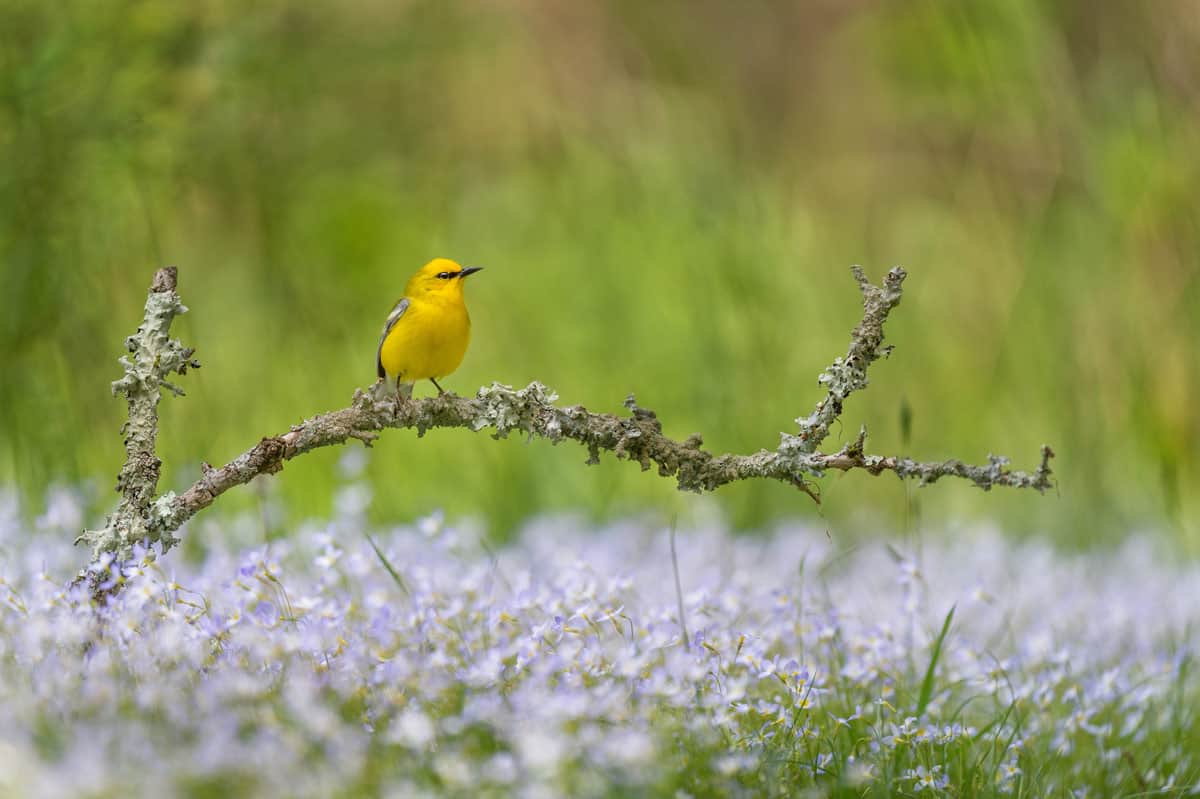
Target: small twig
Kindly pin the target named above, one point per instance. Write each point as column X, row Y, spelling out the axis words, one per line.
column 849, row 374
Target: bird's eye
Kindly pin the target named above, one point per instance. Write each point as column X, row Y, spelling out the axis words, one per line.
column 443, row 275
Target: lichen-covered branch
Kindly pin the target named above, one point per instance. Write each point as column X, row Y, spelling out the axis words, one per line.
column 531, row 411
column 153, row 355
column 849, row 374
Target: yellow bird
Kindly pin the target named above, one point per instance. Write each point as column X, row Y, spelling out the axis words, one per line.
column 426, row 334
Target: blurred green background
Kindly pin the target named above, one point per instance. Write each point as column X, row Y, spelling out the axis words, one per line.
column 666, row 197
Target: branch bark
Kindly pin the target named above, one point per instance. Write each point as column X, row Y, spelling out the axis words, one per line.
column 530, row 411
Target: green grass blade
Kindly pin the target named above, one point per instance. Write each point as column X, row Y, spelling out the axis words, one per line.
column 927, row 683
column 390, row 570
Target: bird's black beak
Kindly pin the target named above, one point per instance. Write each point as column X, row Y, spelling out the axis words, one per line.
column 470, row 270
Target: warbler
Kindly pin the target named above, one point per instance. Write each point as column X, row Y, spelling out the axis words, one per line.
column 426, row 334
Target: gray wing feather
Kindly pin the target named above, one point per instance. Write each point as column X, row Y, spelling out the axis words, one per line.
column 392, row 319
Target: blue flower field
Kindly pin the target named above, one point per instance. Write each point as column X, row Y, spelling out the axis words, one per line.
column 418, row 661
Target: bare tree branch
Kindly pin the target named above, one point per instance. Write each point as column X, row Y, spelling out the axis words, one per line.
column 530, row 411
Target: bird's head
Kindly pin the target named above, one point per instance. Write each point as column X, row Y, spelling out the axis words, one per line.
column 439, row 277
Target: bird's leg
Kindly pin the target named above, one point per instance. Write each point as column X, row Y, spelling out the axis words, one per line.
column 441, row 391
column 403, row 392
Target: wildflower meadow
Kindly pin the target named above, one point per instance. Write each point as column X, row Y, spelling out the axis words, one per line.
column 645, row 538
column 417, row 660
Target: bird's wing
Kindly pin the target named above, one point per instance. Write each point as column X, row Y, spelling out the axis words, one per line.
column 392, row 319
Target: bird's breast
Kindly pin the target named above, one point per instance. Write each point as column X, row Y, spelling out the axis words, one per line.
column 428, row 341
